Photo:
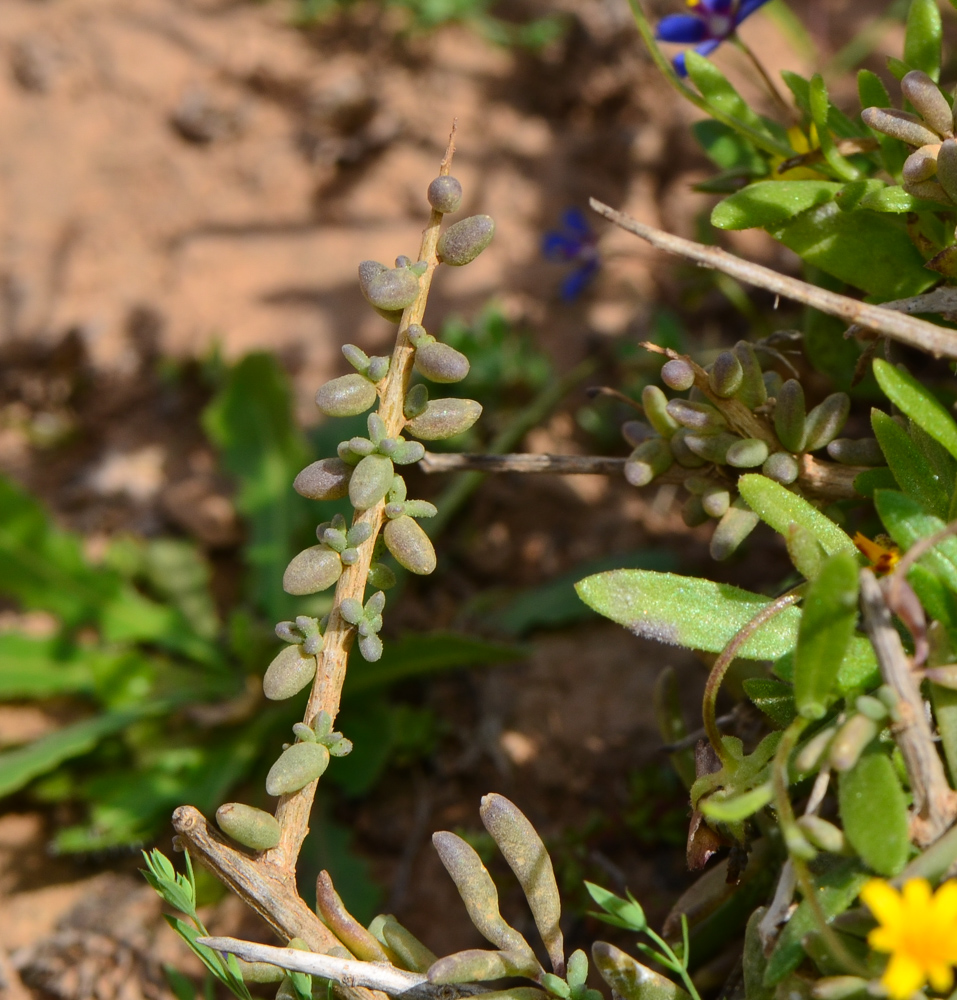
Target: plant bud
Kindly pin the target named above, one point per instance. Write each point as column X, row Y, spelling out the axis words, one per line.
column 392, row 289
column 677, row 374
column 693, row 512
column 900, row 125
column 921, row 165
column 825, row 421
column 702, row 418
column 444, row 418
column 304, row 733
column 928, row 101
column 715, row 500
column 635, row 432
column 416, row 400
column 420, row 508
column 289, row 672
column 260, row 972
column 823, row 835
column 369, row 270
column 361, row 446
column 313, row 570
column 747, row 454
column 351, row 610
column 839, row 988
column 781, row 467
column 371, row 647
column 410, row 545
column 441, row 363
column 300, row 764
column 789, row 416
column 863, row 451
column 772, row 383
column 734, row 527
column 370, row 481
column 356, row 357
column 947, row 167
column 407, row 452
column 726, row 375
column 378, row 368
column 655, row 404
column 445, row 194
column 809, row 756
column 683, row 454
column 346, row 396
column 327, row 479
column 248, row 826
column 872, row 707
column 711, row 447
column 648, row 460
column 850, row 741
column 752, row 391
column 462, row 242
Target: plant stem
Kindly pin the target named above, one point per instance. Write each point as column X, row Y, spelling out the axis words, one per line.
column 776, row 97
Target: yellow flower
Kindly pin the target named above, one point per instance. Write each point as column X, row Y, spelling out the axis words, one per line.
column 919, row 930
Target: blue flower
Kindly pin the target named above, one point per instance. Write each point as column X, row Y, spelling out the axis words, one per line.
column 574, row 242
column 709, row 24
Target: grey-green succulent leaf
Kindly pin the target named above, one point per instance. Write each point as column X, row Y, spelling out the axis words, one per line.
column 631, row 980
column 251, row 827
column 289, row 672
column 296, row 768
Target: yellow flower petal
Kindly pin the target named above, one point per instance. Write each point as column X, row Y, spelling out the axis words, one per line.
column 945, row 903
column 884, row 902
column 903, row 977
column 941, row 977
column 917, row 895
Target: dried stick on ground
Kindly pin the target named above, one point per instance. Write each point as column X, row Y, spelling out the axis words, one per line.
column 886, row 322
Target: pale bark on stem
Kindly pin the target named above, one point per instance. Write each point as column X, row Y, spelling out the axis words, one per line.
column 935, row 803
column 898, row 326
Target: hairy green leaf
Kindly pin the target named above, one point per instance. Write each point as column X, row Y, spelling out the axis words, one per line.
column 914, row 474
column 737, row 807
column 770, row 203
column 922, row 37
column 874, row 813
column 918, row 403
column 773, row 698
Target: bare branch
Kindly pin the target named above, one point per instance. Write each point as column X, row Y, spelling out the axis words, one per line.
column 886, row 322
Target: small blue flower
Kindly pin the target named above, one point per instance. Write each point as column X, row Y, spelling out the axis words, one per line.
column 709, row 24
column 574, row 242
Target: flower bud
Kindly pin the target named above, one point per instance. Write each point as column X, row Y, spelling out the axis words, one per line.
column 711, row 447
column 850, row 741
column 416, row 400
column 921, row 165
column 900, row 125
column 683, row 454
column 251, row 827
column 635, row 432
column 463, row 242
column 872, row 707
column 823, row 835
column 747, row 454
column 947, row 167
column 752, row 391
column 441, row 363
column 734, row 527
column 370, row 481
column 392, row 289
column 702, row 418
column 781, row 467
column 410, row 545
column 789, row 416
column 863, row 451
column 289, row 672
column 726, row 375
column 444, row 418
column 327, row 479
column 809, row 756
column 445, row 194
column 300, row 764
column 314, row 569
column 715, row 500
column 928, row 101
column 346, row 396
column 648, row 460
column 693, row 512
column 655, row 404
column 825, row 421
column 677, row 374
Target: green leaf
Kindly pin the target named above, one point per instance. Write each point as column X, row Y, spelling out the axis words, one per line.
column 685, row 611
column 827, row 623
column 858, row 669
column 773, row 698
column 874, row 479
column 627, row 912
column 251, row 423
column 779, row 507
column 944, row 701
column 871, row 251
column 873, row 94
column 895, row 199
column 738, row 807
column 835, row 120
column 726, row 149
column 838, row 882
column 917, row 402
column 910, row 468
column 922, row 37
column 820, row 107
column 873, row 811
column 907, row 522
column 769, row 203
column 19, row 767
column 41, row 668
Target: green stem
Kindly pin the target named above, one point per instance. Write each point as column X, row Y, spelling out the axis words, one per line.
column 676, row 964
